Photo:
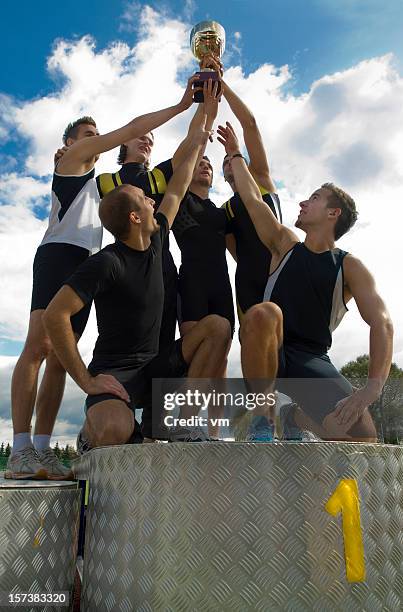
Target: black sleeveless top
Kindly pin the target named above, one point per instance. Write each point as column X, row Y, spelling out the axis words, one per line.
column 308, row 287
column 199, row 229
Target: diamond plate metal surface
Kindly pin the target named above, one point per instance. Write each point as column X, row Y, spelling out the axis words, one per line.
column 38, row 538
column 238, row 527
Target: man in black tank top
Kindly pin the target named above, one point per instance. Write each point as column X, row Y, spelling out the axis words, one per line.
column 251, row 255
column 199, row 229
column 289, row 334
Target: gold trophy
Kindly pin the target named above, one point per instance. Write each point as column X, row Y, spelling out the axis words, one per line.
column 206, row 38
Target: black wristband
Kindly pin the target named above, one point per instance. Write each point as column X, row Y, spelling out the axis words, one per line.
column 237, row 155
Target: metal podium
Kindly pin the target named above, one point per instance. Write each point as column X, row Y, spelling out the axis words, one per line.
column 38, row 538
column 240, row 526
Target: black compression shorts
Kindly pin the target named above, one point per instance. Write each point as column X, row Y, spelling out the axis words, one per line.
column 54, row 263
column 311, row 381
column 201, row 295
column 169, row 363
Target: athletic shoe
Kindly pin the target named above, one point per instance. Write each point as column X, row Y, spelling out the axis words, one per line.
column 309, row 436
column 291, row 432
column 82, row 443
column 55, row 468
column 183, row 434
column 260, row 430
column 25, row 465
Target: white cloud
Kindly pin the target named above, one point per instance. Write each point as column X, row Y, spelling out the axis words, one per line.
column 347, row 128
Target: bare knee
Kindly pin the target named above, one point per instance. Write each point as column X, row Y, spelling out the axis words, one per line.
column 217, row 327
column 37, row 349
column 106, row 431
column 364, row 428
column 262, row 319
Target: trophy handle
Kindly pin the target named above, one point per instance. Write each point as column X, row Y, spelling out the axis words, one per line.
column 203, row 76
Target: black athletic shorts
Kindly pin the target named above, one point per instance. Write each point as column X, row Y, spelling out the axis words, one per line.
column 201, row 295
column 169, row 363
column 54, row 263
column 318, row 396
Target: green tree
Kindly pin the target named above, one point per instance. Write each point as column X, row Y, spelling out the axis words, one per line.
column 65, row 452
column 387, row 411
column 7, row 451
column 2, row 450
column 57, row 450
column 358, row 368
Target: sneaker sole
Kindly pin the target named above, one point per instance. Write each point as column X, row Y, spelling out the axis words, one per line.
column 69, row 476
column 189, row 441
column 39, row 475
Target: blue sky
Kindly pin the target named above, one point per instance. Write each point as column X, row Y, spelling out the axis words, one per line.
column 313, row 36
column 329, row 108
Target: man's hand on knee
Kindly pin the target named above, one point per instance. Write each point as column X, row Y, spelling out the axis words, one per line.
column 350, row 409
column 106, row 383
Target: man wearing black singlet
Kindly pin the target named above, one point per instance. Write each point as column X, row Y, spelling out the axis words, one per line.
column 289, row 334
column 252, row 256
column 199, row 229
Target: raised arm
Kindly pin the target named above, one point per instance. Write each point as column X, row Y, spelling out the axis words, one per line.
column 204, row 116
column 258, row 165
column 57, row 322
column 360, row 284
column 182, row 175
column 273, row 234
column 87, row 148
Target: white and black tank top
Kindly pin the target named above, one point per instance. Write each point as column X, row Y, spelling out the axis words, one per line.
column 74, row 217
column 308, row 287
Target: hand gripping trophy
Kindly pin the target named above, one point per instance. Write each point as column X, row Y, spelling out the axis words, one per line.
column 207, row 39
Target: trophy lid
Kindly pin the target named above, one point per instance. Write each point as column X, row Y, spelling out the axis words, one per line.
column 207, row 37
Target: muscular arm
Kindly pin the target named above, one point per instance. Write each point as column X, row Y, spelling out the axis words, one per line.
column 360, row 285
column 270, row 231
column 207, row 110
column 86, row 148
column 57, row 323
column 180, row 154
column 258, row 166
column 182, row 176
column 273, row 234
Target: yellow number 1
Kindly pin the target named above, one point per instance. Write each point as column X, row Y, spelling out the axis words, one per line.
column 346, row 500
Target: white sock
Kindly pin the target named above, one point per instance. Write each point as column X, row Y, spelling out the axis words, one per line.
column 21, row 441
column 41, row 442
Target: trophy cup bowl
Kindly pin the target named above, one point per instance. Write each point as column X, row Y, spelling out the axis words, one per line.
column 206, row 38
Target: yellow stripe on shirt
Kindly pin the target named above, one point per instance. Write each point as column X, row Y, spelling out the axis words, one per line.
column 159, row 180
column 106, row 183
column 262, row 190
column 152, row 183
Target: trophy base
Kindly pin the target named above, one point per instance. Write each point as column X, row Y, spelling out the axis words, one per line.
column 205, row 75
